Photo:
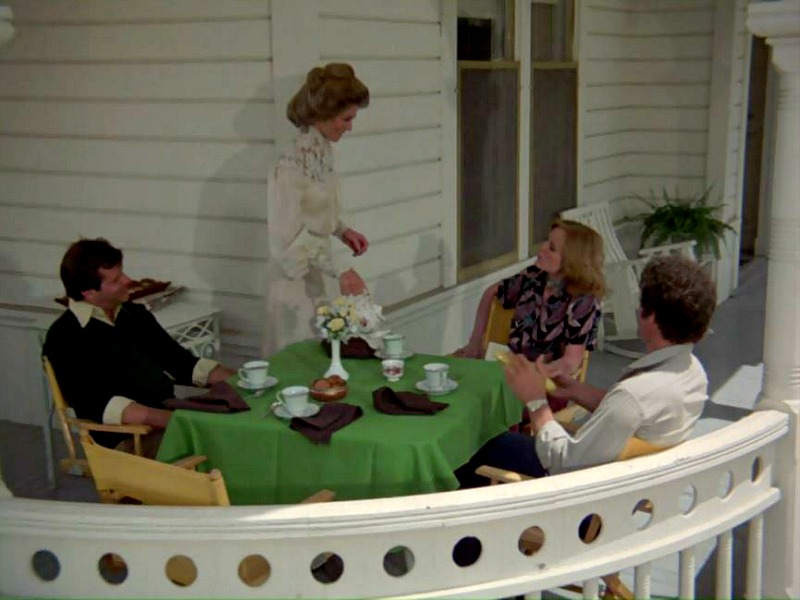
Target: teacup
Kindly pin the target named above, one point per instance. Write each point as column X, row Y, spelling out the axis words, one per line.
column 392, row 369
column 255, row 372
column 393, row 344
column 294, row 399
column 436, row 376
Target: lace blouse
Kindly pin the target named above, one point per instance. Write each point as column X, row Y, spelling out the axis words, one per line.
column 304, row 208
column 547, row 327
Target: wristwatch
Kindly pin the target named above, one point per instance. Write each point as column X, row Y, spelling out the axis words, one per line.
column 535, row 404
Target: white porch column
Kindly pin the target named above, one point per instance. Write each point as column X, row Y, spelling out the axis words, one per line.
column 779, row 22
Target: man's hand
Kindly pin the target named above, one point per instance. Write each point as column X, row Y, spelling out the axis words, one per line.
column 356, row 241
column 524, row 379
column 220, row 373
column 351, row 284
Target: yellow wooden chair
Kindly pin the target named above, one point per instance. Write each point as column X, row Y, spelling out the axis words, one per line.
column 69, row 424
column 615, row 588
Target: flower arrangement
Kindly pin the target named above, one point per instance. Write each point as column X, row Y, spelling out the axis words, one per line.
column 348, row 316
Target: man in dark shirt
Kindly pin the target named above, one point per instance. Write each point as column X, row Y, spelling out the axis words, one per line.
column 113, row 361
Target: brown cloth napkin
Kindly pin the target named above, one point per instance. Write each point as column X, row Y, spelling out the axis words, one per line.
column 220, row 398
column 331, row 417
column 354, row 348
column 386, row 400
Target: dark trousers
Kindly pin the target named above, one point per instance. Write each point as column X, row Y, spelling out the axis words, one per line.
column 510, row 451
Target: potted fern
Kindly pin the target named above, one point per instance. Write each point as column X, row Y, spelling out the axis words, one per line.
column 677, row 218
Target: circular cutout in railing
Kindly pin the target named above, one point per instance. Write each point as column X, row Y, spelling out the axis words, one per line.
column 467, row 551
column 590, row 528
column 757, row 469
column 254, row 570
column 113, row 568
column 687, row 500
column 45, row 564
column 725, row 484
column 531, row 540
column 181, row 570
column 327, row 567
column 642, row 513
column 398, row 561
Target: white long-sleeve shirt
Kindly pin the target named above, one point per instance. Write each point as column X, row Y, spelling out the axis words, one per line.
column 658, row 399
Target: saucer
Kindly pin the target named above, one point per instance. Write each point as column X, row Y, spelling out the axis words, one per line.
column 448, row 387
column 280, row 411
column 402, row 356
column 246, row 385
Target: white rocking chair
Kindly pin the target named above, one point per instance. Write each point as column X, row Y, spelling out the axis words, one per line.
column 622, row 276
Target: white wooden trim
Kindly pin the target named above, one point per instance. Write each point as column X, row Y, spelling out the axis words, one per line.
column 449, row 204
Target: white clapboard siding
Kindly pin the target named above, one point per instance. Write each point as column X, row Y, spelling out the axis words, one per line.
column 648, row 48
column 154, row 197
column 644, row 140
column 399, row 77
column 344, row 38
column 224, row 40
column 212, row 237
column 607, row 95
column 214, row 160
column 395, row 286
column 645, row 94
column 399, row 253
column 399, row 112
column 365, row 190
column 359, row 153
column 654, row 164
column 397, row 218
column 625, row 185
column 624, row 118
column 210, row 121
column 121, row 11
column 195, row 82
column 416, row 11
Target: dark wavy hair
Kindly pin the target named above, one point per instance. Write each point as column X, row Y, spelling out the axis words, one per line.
column 327, row 91
column 81, row 263
column 581, row 259
column 681, row 295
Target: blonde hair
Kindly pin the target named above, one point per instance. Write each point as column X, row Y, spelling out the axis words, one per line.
column 582, row 259
column 327, row 91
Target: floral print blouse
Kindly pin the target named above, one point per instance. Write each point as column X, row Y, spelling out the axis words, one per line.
column 540, row 327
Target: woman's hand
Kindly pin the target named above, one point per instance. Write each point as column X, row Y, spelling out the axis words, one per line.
column 356, row 241
column 524, row 379
column 351, row 284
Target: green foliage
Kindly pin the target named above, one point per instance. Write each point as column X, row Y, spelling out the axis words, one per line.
column 677, row 219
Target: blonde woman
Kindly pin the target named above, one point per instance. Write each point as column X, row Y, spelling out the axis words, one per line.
column 556, row 301
column 304, row 208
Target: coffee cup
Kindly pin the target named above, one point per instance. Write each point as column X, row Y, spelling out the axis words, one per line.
column 294, row 399
column 436, row 376
column 392, row 369
column 393, row 344
column 255, row 373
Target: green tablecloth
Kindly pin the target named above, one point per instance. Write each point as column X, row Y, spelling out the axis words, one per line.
column 265, row 462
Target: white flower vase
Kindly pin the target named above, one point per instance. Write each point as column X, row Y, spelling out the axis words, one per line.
column 336, row 367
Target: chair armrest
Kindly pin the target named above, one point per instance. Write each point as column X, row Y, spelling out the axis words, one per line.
column 190, row 462
column 684, row 248
column 320, row 496
column 501, row 475
column 92, row 426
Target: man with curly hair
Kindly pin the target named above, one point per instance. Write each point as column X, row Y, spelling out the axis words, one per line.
column 658, row 399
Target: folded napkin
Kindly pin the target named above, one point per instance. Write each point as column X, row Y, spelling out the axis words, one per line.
column 386, row 400
column 220, row 398
column 331, row 417
column 353, row 348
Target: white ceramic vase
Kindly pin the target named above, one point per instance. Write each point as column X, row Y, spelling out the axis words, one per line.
column 336, row 367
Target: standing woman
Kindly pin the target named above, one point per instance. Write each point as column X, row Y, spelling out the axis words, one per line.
column 304, row 208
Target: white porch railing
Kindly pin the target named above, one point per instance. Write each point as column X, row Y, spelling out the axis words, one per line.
column 699, row 491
